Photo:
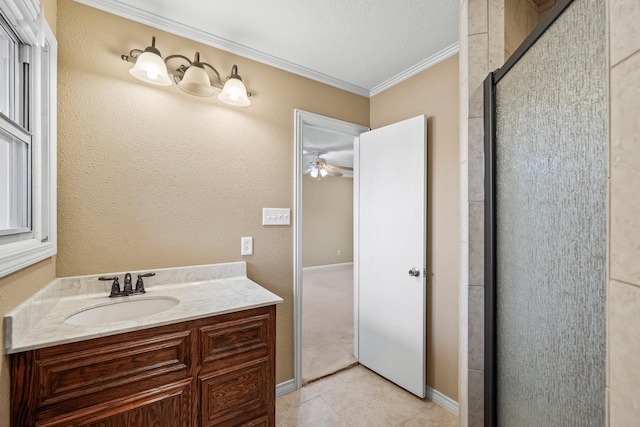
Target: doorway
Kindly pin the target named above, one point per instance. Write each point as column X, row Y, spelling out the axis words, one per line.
column 326, row 149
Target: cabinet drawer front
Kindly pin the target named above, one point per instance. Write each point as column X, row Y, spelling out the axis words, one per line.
column 168, row 406
column 234, row 337
column 119, row 366
column 236, row 397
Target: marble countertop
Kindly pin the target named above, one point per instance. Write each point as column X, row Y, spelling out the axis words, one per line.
column 202, row 291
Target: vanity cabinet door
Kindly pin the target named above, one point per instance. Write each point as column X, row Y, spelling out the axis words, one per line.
column 237, row 375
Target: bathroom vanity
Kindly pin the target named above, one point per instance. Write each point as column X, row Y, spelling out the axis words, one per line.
column 209, row 360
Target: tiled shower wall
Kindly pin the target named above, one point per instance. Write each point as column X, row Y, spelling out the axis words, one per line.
column 623, row 385
column 483, row 49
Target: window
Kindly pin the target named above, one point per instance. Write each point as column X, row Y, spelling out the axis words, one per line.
column 28, row 52
column 8, row 53
column 15, row 174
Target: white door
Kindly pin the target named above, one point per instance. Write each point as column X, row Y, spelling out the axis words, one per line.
column 392, row 243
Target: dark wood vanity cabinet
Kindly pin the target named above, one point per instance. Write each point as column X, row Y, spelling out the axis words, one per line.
column 217, row 371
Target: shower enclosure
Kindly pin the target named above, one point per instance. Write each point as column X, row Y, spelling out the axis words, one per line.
column 546, row 224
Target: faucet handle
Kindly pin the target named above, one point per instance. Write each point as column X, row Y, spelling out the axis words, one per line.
column 140, row 283
column 115, row 286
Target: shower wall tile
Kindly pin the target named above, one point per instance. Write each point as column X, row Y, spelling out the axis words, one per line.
column 476, row 159
column 476, row 398
column 624, row 40
column 464, row 229
column 608, row 405
column 625, row 173
column 464, row 129
column 478, row 70
column 624, row 323
column 463, row 385
column 476, row 327
column 478, row 11
column 496, row 34
column 464, row 109
column 476, row 244
column 475, row 26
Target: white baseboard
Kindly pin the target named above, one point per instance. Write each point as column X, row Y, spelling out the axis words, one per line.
column 322, row 267
column 446, row 402
column 285, row 388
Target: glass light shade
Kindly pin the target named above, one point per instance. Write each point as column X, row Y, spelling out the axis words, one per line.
column 314, row 172
column 234, row 93
column 323, row 172
column 196, row 82
column 151, row 68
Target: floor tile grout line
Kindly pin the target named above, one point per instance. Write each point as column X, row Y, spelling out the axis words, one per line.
column 335, row 411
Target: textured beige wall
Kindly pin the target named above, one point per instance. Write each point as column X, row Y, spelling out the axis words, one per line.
column 152, row 177
column 327, row 220
column 51, row 13
column 17, row 287
column 434, row 92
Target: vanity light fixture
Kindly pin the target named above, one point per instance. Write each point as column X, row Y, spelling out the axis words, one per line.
column 190, row 76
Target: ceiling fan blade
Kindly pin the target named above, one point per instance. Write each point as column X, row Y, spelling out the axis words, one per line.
column 333, row 172
column 346, row 168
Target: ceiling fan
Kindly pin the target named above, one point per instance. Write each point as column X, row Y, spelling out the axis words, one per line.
column 319, row 168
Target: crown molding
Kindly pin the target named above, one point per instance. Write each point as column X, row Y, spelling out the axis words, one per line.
column 162, row 23
column 121, row 9
column 419, row 67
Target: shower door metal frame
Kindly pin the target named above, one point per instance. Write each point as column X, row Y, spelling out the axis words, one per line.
column 490, row 331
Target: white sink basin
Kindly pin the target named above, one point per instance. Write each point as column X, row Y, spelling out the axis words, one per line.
column 115, row 311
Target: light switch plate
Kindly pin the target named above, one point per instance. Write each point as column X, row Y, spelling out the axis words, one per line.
column 276, row 216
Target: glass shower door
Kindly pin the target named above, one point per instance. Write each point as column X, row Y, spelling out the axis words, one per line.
column 547, row 204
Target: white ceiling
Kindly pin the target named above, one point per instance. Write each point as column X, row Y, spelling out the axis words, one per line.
column 363, row 46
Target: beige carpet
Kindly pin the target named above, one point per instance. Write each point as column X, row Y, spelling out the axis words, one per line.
column 327, row 321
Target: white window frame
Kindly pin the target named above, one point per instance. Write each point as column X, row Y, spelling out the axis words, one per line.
column 27, row 20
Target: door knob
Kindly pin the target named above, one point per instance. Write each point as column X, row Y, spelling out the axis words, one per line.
column 414, row 272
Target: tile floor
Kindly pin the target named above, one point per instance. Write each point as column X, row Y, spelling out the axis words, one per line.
column 358, row 397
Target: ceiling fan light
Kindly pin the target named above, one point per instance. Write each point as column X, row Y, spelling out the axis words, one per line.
column 196, row 81
column 323, row 172
column 314, row 172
